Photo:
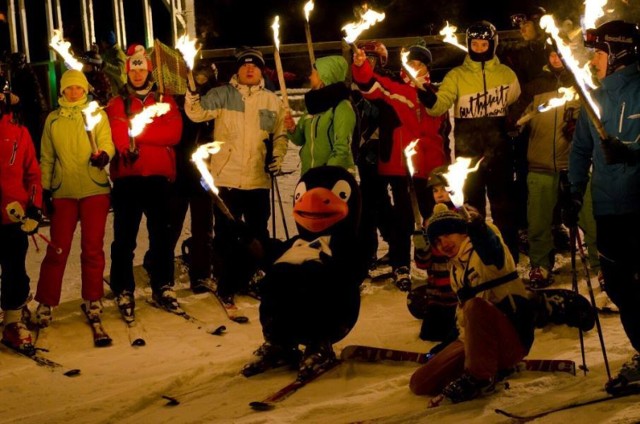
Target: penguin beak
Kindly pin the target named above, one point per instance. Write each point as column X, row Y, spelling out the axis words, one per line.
column 319, row 209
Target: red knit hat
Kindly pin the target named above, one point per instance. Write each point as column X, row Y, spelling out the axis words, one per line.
column 138, row 58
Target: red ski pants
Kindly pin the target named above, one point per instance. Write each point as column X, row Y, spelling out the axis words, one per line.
column 92, row 213
column 490, row 344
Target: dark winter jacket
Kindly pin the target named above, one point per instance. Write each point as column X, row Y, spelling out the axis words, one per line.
column 615, row 188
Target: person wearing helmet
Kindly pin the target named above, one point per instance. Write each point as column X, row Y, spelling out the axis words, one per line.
column 481, row 91
column 99, row 84
column 402, row 120
column 615, row 177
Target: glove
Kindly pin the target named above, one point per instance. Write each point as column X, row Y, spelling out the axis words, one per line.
column 615, row 151
column 99, row 159
column 422, row 249
column 427, row 96
column 275, row 166
column 33, row 218
column 47, row 201
column 130, row 157
column 571, row 209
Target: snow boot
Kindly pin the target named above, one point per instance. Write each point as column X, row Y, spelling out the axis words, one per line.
column 126, row 305
column 201, row 285
column 540, row 278
column 628, row 378
column 269, row 356
column 467, row 387
column 402, row 278
column 561, row 306
column 44, row 315
column 316, row 358
column 166, row 298
column 16, row 335
column 94, row 310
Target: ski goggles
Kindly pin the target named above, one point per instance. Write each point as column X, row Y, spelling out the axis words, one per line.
column 591, row 39
column 518, row 19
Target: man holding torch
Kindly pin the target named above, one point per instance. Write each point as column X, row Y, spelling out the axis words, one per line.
column 248, row 118
column 615, row 180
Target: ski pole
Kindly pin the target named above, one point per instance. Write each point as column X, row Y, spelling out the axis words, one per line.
column 273, row 207
column 583, row 259
column 35, row 242
column 57, row 249
column 573, row 231
column 284, row 219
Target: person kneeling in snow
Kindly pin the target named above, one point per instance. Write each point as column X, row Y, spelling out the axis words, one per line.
column 494, row 315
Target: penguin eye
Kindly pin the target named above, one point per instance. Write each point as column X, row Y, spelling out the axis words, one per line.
column 301, row 189
column 342, row 189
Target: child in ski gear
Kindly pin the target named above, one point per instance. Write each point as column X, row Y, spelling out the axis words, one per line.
column 76, row 188
column 324, row 132
column 615, row 175
column 481, row 91
column 494, row 315
column 433, row 302
column 249, row 119
column 311, row 293
column 20, row 200
column 142, row 174
column 403, row 120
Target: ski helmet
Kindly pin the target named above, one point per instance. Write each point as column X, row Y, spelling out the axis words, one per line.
column 376, row 49
column 482, row 30
column 619, row 39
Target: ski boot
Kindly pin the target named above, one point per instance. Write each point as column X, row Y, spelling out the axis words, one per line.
column 561, row 306
column 44, row 315
column 467, row 387
column 126, row 305
column 402, row 278
column 271, row 356
column 166, row 299
column 316, row 358
column 627, row 379
column 16, row 335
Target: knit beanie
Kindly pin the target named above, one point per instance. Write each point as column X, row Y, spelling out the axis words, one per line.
column 436, row 177
column 420, row 53
column 249, row 55
column 73, row 77
column 444, row 221
column 138, row 58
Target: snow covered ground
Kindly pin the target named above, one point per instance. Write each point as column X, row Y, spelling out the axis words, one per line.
column 123, row 384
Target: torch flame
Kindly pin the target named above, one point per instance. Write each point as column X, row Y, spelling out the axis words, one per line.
column 593, row 10
column 405, row 65
column 368, row 19
column 308, row 7
column 450, row 37
column 92, row 115
column 567, row 94
column 187, row 47
column 200, row 155
column 276, row 31
column 583, row 75
column 62, row 47
column 456, row 176
column 139, row 121
column 409, row 151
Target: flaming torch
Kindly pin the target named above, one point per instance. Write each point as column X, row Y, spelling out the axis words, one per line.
column 62, row 48
column 411, row 73
column 456, row 176
column 353, row 29
column 567, row 94
column 581, row 76
column 198, row 158
column 308, row 7
column 448, row 32
column 276, row 56
column 409, row 151
column 139, row 121
column 91, row 116
column 187, row 47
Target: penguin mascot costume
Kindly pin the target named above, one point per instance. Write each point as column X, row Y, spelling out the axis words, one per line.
column 311, row 294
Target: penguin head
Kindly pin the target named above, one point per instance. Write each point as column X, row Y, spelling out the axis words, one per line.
column 326, row 200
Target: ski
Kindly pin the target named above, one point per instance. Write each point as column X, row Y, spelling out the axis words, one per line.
column 100, row 336
column 270, row 401
column 629, row 391
column 218, row 331
column 48, row 363
column 230, row 308
column 374, row 354
column 135, row 334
